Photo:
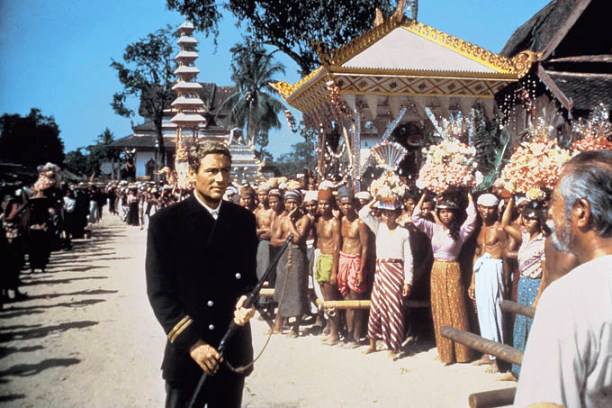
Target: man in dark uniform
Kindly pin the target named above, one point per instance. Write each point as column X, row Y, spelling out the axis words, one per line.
column 200, row 263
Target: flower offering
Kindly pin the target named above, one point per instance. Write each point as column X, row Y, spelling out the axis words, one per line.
column 388, row 187
column 595, row 133
column 448, row 164
column 534, row 165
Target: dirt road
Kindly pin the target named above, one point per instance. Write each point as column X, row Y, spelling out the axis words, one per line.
column 87, row 338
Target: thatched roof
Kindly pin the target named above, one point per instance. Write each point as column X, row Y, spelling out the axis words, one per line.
column 575, row 59
column 584, row 90
column 539, row 30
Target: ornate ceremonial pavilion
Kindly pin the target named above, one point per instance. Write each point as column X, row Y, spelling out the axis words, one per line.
column 392, row 75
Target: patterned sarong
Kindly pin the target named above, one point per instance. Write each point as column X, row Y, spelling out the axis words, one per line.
column 527, row 292
column 291, row 288
column 448, row 308
column 349, row 267
column 489, row 295
column 323, row 267
column 386, row 321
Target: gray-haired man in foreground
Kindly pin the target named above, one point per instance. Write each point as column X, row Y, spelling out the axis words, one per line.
column 568, row 359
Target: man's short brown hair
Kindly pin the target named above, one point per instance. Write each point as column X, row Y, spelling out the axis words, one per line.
column 195, row 158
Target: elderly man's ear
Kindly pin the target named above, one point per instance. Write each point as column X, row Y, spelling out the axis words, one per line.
column 581, row 213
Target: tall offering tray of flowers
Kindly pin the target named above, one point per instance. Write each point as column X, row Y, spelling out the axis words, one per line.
column 388, row 187
column 595, row 133
column 536, row 163
column 449, row 164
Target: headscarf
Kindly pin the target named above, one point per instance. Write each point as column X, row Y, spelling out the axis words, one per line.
column 488, row 200
column 293, row 194
column 345, row 192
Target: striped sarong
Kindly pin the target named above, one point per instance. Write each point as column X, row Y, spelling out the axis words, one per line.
column 386, row 321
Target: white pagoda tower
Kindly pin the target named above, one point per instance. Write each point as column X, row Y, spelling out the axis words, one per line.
column 188, row 105
column 189, row 110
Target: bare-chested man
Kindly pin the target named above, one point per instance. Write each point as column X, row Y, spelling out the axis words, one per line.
column 352, row 263
column 264, row 216
column 310, row 209
column 326, row 265
column 488, row 280
column 291, row 288
column 275, row 201
column 247, row 198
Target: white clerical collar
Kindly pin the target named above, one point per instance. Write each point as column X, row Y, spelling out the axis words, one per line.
column 213, row 211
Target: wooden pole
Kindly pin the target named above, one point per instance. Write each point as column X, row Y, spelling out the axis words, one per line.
column 363, row 304
column 347, row 304
column 343, row 304
column 491, row 399
column 266, row 292
column 513, row 307
column 483, row 345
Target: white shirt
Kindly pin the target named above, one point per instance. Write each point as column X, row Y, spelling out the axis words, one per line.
column 390, row 244
column 69, row 204
column 568, row 359
column 213, row 211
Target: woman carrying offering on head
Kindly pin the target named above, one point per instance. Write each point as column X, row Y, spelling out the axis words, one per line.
column 530, row 257
column 448, row 303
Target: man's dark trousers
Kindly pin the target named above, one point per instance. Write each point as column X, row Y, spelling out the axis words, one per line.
column 222, row 390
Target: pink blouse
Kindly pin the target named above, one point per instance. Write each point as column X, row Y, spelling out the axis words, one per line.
column 444, row 247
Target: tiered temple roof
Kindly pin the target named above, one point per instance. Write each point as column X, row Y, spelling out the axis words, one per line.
column 188, row 105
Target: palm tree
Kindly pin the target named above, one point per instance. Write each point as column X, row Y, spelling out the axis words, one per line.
column 253, row 104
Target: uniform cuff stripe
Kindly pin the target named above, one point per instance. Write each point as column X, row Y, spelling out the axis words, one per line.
column 179, row 328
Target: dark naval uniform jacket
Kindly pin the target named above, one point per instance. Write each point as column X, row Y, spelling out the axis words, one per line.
column 196, row 269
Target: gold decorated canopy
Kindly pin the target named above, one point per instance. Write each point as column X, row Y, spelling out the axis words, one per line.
column 403, row 57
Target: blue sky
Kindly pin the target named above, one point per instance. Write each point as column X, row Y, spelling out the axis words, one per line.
column 55, row 55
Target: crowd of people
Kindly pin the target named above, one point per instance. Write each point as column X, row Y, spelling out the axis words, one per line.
column 463, row 254
column 369, row 260
column 350, row 246
column 343, row 246
column 499, row 245
column 40, row 218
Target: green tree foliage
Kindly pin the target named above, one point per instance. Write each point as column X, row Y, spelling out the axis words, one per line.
column 77, row 162
column 30, row 140
column 293, row 27
column 302, row 156
column 253, row 104
column 87, row 164
column 102, row 151
column 147, row 73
